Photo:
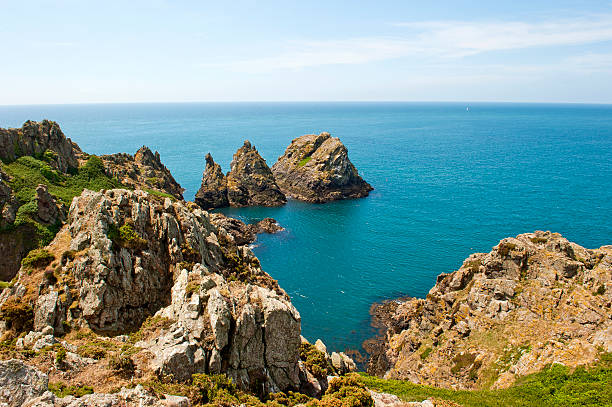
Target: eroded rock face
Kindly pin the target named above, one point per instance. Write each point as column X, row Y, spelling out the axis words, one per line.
column 134, row 255
column 316, row 168
column 250, row 181
column 144, row 170
column 50, row 210
column 213, row 191
column 533, row 300
column 40, row 139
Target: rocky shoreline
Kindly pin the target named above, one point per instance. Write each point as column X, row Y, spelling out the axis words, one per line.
column 124, row 294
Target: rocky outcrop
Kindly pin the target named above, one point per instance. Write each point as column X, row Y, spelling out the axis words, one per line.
column 248, row 183
column 20, row 383
column 50, row 210
column 243, row 233
column 143, row 170
column 128, row 255
column 213, row 192
column 316, row 168
column 39, row 139
column 533, row 300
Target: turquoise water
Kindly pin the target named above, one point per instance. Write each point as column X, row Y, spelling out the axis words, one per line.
column 448, row 182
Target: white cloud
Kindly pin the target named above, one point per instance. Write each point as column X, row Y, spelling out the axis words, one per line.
column 434, row 39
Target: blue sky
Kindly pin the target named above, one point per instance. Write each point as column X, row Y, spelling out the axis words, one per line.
column 180, row 51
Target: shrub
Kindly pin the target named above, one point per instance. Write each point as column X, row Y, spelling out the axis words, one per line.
column 538, row 240
column 314, row 360
column 122, row 364
column 504, row 248
column 17, row 314
column 37, row 258
column 346, row 391
column 60, row 356
column 125, row 236
column 600, row 290
column 62, row 390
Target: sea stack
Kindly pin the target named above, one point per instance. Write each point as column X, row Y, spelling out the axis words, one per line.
column 316, row 168
column 249, row 182
column 213, row 191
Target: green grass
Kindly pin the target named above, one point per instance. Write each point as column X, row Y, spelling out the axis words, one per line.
column 304, row 161
column 28, row 172
column 159, row 193
column 553, row 386
column 62, row 390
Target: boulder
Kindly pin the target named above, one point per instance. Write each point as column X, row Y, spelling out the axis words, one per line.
column 316, row 168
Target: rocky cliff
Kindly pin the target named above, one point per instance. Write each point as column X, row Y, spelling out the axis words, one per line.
column 248, row 183
column 534, row 300
column 42, row 140
column 316, row 168
column 143, row 170
column 124, row 256
column 42, row 170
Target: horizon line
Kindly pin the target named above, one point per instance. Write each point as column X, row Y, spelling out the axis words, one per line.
column 308, row 101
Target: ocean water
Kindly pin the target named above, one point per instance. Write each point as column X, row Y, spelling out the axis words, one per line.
column 448, row 182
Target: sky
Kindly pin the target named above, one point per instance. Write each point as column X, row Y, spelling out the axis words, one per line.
column 65, row 51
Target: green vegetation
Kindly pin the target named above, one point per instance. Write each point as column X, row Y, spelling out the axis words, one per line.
column 159, row 193
column 125, row 236
column 425, row 353
column 17, row 314
column 314, row 360
column 304, row 161
column 122, row 364
column 505, row 248
column 27, row 172
column 346, row 391
column 37, row 258
column 538, row 240
column 554, row 386
column 600, row 290
column 63, row 390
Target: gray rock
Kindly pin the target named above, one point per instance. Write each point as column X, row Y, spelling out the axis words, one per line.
column 20, row 383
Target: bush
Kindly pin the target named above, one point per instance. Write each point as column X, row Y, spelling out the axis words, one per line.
column 17, row 314
column 37, row 258
column 346, row 391
column 125, row 236
column 62, row 390
column 122, row 364
column 314, row 360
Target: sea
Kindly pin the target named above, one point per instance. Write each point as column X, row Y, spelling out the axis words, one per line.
column 449, row 179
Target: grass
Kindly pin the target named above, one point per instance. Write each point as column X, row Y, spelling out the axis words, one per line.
column 28, row 172
column 304, row 161
column 62, row 390
column 554, row 386
column 159, row 193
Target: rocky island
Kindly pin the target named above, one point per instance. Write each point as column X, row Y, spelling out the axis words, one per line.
column 316, row 168
column 248, row 183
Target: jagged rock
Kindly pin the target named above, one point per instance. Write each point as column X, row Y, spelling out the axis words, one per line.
column 20, row 383
column 316, row 168
column 139, row 256
column 50, row 211
column 342, row 363
column 243, row 233
column 213, row 191
column 544, row 299
column 144, row 170
column 40, row 139
column 250, row 181
column 8, row 203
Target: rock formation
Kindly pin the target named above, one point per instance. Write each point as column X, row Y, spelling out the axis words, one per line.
column 248, row 183
column 143, row 170
column 316, row 168
column 533, row 300
column 243, row 233
column 124, row 256
column 213, row 192
column 39, row 139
